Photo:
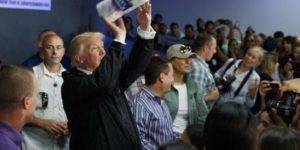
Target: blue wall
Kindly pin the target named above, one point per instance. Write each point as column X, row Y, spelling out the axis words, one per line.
column 19, row 28
column 265, row 16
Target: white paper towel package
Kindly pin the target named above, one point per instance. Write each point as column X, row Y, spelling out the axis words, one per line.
column 114, row 9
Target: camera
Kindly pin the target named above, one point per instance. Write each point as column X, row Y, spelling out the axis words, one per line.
column 285, row 107
column 224, row 83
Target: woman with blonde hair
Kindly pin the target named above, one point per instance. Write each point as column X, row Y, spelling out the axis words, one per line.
column 268, row 66
column 238, row 80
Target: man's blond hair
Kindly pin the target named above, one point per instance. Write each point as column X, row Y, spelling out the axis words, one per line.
column 78, row 43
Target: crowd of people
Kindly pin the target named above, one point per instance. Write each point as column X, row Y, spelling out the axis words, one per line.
column 205, row 88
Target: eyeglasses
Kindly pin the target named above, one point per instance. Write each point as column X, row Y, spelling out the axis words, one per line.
column 185, row 49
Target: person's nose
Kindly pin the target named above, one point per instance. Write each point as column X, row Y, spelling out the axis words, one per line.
column 101, row 52
column 188, row 61
column 54, row 50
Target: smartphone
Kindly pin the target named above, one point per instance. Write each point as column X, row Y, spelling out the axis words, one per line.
column 274, row 85
column 274, row 92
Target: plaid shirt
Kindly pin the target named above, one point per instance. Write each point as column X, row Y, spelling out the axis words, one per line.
column 202, row 75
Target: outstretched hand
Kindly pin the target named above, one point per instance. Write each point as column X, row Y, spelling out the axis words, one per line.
column 117, row 28
column 144, row 16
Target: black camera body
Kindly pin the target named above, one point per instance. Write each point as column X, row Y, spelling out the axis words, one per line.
column 285, row 107
column 224, row 84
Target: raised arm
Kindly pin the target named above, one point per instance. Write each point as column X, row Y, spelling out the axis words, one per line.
column 117, row 28
column 142, row 49
column 107, row 73
column 144, row 16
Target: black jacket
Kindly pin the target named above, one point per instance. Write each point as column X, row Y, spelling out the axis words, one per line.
column 97, row 110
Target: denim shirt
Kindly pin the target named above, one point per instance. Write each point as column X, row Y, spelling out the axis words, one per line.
column 197, row 108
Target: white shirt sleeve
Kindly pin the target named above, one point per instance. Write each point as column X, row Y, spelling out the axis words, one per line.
column 147, row 35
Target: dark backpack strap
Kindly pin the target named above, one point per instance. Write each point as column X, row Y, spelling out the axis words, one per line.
column 228, row 66
column 243, row 82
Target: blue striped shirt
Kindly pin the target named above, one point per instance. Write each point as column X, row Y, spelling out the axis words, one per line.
column 153, row 119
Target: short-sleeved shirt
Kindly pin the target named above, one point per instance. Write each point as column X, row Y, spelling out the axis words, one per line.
column 47, row 108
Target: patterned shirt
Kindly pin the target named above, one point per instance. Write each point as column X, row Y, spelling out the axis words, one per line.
column 201, row 74
column 243, row 96
column 153, row 119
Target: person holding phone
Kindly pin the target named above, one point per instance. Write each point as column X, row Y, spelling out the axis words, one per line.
column 266, row 71
column 272, row 117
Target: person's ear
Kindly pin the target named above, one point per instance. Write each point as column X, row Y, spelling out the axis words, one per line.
column 206, row 48
column 40, row 44
column 26, row 102
column 41, row 54
column 78, row 59
column 161, row 77
column 64, row 49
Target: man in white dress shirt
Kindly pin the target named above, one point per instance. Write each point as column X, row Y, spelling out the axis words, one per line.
column 48, row 129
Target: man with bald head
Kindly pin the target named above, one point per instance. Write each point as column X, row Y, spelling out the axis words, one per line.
column 48, row 129
column 36, row 59
column 18, row 92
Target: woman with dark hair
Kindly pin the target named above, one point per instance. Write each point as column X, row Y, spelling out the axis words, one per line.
column 230, row 126
column 279, row 138
column 285, row 55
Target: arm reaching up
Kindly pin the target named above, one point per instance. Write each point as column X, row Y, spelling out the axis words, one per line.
column 144, row 16
column 117, row 28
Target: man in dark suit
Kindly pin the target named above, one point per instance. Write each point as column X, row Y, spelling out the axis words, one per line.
column 93, row 91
